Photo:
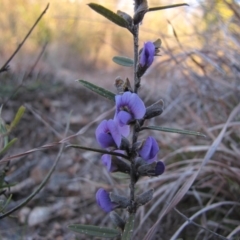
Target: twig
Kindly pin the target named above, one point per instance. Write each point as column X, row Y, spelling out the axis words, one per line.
column 6, row 66
column 197, row 225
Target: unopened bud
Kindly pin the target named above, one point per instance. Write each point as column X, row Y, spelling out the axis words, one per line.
column 120, row 165
column 122, row 202
column 154, row 110
column 152, row 170
column 117, row 220
column 123, row 86
column 140, row 12
column 144, row 197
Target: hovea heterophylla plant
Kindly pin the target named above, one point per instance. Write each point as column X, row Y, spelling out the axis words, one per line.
column 124, row 149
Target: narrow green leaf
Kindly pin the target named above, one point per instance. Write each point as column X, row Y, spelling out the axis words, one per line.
column 3, row 132
column 99, row 150
column 4, row 150
column 94, row 230
column 120, row 175
column 99, row 90
column 17, row 118
column 128, row 229
column 6, row 203
column 123, row 61
column 109, row 14
column 173, row 130
column 166, row 7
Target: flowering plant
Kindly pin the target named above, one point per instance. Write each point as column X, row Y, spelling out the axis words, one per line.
column 136, row 157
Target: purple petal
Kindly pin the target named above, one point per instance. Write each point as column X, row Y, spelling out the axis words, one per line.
column 124, row 118
column 147, row 54
column 149, row 150
column 105, row 140
column 107, row 161
column 108, row 134
column 129, row 106
column 124, row 130
column 103, row 137
column 160, row 168
column 114, row 130
column 104, row 201
column 137, row 106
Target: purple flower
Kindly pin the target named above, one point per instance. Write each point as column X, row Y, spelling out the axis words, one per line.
column 147, row 54
column 115, row 164
column 149, row 150
column 107, row 161
column 104, row 201
column 129, row 107
column 159, row 168
column 108, row 134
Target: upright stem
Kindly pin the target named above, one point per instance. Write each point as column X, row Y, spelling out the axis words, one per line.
column 132, row 208
column 135, row 45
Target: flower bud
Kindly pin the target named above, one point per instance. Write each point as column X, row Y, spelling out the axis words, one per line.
column 151, row 170
column 104, row 201
column 144, row 197
column 154, row 110
column 122, row 202
column 140, row 12
column 117, row 220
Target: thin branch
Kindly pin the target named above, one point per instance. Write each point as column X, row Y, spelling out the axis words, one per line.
column 6, row 66
column 199, row 226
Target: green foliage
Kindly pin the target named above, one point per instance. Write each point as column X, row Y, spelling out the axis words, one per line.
column 99, row 90
column 128, row 229
column 173, row 130
column 123, row 61
column 166, row 7
column 109, row 15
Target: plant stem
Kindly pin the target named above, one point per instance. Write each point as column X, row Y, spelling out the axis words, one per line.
column 135, row 45
column 132, row 208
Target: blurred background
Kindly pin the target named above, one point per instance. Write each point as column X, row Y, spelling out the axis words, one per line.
column 197, row 76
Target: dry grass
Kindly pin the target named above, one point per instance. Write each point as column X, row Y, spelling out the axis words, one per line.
column 200, row 88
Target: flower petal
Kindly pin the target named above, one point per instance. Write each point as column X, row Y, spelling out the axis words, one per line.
column 137, row 106
column 114, row 130
column 149, row 150
column 104, row 201
column 107, row 161
column 147, row 54
column 160, row 168
column 124, row 118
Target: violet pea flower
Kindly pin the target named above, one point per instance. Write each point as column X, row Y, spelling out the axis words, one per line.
column 129, row 106
column 104, row 201
column 108, row 134
column 149, row 150
column 147, row 54
column 107, row 161
column 114, row 163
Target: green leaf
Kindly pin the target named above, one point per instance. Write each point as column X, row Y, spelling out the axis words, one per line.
column 17, row 118
column 109, row 15
column 99, row 90
column 166, row 7
column 128, row 229
column 8, row 146
column 120, row 175
column 173, row 130
column 123, row 61
column 94, row 230
column 6, row 203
